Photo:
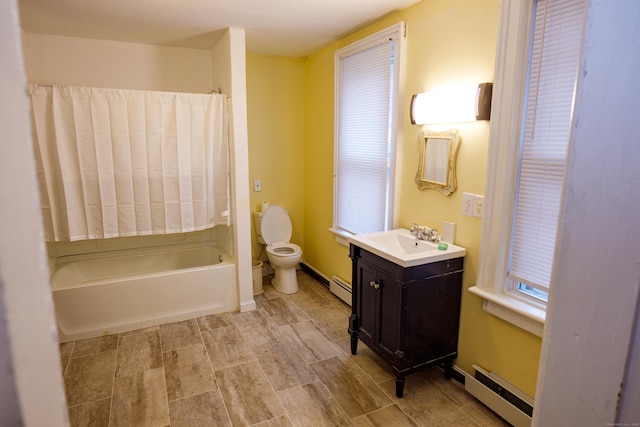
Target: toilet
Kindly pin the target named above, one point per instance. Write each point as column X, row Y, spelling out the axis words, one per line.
column 273, row 227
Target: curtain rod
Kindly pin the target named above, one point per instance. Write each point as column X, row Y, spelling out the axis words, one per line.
column 212, row 91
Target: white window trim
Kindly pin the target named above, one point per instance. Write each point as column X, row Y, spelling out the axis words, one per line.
column 340, row 235
column 502, row 169
column 398, row 31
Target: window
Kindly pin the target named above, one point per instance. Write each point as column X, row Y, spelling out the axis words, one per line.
column 527, row 155
column 368, row 99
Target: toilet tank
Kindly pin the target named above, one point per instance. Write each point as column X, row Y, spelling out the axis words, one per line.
column 257, row 221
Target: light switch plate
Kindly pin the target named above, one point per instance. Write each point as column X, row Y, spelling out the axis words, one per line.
column 478, row 208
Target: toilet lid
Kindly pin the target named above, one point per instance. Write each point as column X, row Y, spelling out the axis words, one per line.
column 276, row 225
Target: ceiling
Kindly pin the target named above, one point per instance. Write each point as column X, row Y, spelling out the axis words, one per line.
column 293, row 28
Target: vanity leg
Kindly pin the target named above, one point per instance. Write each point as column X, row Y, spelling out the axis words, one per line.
column 399, row 386
column 353, row 332
column 448, row 370
column 354, row 345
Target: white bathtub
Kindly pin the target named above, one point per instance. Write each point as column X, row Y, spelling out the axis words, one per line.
column 117, row 292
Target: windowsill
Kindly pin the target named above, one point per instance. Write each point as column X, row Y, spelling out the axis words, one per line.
column 512, row 310
column 341, row 236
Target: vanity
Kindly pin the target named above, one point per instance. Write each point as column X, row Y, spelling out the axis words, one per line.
column 405, row 300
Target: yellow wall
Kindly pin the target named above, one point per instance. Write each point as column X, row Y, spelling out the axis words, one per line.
column 275, row 110
column 448, row 42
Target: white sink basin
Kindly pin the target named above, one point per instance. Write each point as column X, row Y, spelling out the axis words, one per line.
column 401, row 247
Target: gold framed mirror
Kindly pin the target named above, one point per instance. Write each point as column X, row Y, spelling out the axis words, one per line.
column 437, row 160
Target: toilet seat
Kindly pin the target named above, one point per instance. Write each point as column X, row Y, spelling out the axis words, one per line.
column 276, row 225
column 284, row 249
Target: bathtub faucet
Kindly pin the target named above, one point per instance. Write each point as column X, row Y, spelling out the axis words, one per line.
column 424, row 233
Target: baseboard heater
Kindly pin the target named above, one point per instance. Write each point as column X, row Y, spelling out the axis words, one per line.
column 504, row 399
column 340, row 288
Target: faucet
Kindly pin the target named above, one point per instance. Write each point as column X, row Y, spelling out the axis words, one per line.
column 424, row 233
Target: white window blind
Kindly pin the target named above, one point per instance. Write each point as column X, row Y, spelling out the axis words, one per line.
column 555, row 53
column 364, row 175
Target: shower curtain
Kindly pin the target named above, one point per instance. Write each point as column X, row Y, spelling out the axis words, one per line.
column 115, row 162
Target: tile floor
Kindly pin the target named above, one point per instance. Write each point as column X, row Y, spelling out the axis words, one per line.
column 285, row 364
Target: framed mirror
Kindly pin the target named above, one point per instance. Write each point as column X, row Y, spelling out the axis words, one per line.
column 437, row 160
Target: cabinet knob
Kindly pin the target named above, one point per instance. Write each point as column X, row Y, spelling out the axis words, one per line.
column 374, row 285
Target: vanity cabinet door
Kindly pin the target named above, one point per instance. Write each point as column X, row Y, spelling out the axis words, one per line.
column 367, row 306
column 378, row 308
column 388, row 316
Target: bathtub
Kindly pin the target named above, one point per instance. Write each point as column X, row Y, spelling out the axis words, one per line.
column 109, row 293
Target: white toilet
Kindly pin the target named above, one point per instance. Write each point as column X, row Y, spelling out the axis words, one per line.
column 273, row 227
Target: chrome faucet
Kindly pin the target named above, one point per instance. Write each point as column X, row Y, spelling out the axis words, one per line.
column 424, row 233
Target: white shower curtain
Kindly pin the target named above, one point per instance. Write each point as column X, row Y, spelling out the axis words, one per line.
column 115, row 162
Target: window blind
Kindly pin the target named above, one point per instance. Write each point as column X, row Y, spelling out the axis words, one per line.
column 555, row 53
column 363, row 186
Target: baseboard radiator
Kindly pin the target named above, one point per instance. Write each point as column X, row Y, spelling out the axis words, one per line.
column 340, row 288
column 504, row 399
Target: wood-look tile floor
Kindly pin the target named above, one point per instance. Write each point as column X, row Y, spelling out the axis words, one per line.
column 288, row 363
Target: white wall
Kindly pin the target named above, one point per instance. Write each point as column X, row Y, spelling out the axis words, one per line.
column 112, row 64
column 587, row 367
column 230, row 75
column 31, row 391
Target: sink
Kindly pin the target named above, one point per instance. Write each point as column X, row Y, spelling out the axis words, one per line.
column 401, row 247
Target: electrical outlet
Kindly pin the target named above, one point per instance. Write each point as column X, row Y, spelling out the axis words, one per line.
column 257, row 185
column 467, row 204
column 478, row 201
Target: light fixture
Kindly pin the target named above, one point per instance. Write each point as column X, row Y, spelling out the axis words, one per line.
column 452, row 104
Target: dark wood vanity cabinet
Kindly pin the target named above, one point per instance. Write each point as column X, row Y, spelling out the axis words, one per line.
column 408, row 316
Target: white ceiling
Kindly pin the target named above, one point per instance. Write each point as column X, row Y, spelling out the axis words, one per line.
column 275, row 27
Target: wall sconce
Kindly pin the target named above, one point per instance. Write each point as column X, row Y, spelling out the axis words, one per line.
column 452, row 104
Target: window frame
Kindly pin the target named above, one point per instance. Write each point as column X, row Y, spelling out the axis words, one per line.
column 499, row 292
column 398, row 32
